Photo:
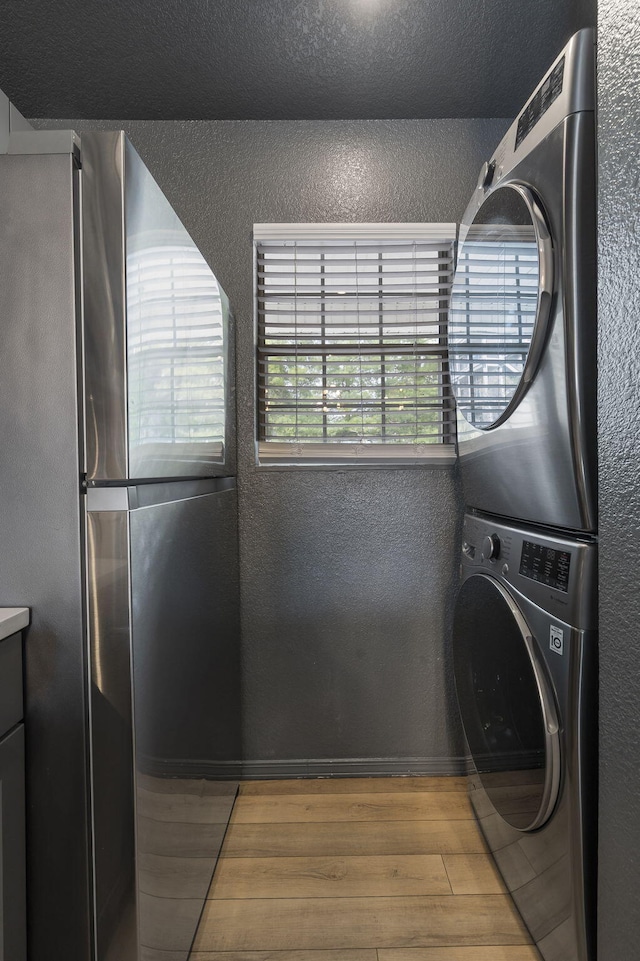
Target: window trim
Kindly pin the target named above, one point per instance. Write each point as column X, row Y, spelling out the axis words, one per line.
column 279, row 455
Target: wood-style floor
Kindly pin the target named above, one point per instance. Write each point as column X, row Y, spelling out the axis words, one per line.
column 385, row 869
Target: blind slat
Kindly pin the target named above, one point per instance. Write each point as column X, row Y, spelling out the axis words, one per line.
column 375, row 274
column 364, row 350
column 303, row 250
column 335, row 316
column 295, row 293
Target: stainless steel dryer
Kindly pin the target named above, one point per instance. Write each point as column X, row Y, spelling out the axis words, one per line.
column 524, row 645
column 522, row 331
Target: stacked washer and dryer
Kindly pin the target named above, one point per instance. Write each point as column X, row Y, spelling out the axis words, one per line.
column 522, row 347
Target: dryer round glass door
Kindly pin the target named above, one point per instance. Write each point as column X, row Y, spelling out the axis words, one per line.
column 507, row 704
column 499, row 306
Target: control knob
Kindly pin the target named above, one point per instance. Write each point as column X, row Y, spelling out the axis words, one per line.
column 486, row 175
column 490, row 547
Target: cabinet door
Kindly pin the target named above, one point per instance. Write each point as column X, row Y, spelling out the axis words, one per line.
column 11, row 707
column 12, row 849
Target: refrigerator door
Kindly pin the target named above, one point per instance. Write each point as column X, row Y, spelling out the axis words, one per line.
column 158, row 380
column 165, row 697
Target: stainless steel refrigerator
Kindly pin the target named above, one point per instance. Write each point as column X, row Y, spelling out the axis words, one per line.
column 118, row 527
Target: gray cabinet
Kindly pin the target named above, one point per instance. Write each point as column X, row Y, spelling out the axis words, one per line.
column 12, row 804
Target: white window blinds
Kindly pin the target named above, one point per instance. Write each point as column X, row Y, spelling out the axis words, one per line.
column 351, row 334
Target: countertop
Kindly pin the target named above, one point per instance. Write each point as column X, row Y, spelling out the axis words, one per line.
column 12, row 619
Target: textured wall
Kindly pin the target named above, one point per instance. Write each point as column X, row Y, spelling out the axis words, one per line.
column 347, row 577
column 619, row 453
column 280, row 59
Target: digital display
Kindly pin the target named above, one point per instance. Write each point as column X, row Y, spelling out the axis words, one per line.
column 543, row 564
column 548, row 92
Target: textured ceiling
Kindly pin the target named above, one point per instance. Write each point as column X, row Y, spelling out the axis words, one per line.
column 279, row 59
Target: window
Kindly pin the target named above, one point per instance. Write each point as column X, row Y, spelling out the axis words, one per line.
column 351, row 343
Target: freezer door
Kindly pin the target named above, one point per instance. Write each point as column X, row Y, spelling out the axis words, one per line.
column 156, row 329
column 165, row 699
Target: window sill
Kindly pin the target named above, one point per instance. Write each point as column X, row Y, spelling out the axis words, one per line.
column 341, row 456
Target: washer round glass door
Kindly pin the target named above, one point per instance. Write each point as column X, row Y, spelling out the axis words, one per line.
column 499, row 308
column 506, row 703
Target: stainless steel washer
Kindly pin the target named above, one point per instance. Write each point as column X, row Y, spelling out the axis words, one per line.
column 522, row 332
column 525, row 660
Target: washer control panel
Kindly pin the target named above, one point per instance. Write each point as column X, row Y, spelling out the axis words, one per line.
column 546, row 564
column 556, row 573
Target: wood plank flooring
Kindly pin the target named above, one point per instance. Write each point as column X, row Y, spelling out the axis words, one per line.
column 385, row 869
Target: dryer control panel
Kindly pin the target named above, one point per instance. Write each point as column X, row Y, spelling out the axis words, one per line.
column 568, row 87
column 544, row 96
